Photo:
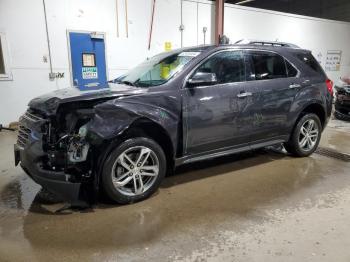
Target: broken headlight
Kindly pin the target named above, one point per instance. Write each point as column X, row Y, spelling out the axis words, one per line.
column 82, row 131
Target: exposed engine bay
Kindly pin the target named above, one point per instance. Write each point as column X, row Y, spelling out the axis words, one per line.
column 65, row 140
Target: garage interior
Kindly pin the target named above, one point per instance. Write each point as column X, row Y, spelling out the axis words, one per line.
column 261, row 205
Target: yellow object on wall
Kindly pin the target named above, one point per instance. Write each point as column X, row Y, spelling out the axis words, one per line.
column 165, row 69
column 167, row 46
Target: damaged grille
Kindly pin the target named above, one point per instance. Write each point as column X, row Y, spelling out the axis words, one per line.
column 32, row 117
column 23, row 131
column 23, row 135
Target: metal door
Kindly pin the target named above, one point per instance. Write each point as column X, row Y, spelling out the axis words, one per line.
column 218, row 116
column 88, row 60
column 275, row 92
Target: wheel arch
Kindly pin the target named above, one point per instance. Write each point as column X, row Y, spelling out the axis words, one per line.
column 153, row 130
column 139, row 127
column 315, row 108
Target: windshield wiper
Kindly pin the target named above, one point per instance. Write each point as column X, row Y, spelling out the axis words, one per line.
column 127, row 83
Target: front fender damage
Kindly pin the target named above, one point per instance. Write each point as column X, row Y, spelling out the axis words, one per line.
column 112, row 118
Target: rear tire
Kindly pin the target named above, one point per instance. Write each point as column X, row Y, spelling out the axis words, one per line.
column 134, row 170
column 305, row 137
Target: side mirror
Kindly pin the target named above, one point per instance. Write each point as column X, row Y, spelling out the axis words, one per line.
column 202, row 78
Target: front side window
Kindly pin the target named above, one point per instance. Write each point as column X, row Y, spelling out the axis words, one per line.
column 268, row 65
column 228, row 66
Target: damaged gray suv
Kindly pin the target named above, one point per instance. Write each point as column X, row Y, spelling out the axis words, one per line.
column 178, row 107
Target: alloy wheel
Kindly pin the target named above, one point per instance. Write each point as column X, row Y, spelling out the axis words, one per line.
column 308, row 136
column 135, row 170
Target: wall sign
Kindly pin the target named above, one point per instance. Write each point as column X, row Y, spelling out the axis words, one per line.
column 167, row 46
column 89, row 73
column 59, row 75
column 89, row 59
column 333, row 60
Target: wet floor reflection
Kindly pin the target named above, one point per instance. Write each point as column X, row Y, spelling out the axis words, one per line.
column 195, row 194
column 198, row 199
column 19, row 193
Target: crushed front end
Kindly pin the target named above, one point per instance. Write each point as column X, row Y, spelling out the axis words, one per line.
column 56, row 156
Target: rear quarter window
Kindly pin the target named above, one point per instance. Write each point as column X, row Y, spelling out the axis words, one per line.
column 310, row 62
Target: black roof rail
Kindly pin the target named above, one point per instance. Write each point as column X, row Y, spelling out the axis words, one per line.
column 266, row 43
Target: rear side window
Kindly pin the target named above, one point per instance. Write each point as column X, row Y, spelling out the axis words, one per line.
column 268, row 65
column 310, row 61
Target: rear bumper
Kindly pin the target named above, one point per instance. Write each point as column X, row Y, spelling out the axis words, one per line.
column 56, row 182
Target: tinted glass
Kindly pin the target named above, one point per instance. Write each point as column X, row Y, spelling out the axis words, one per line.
column 228, row 66
column 310, row 61
column 268, row 66
column 2, row 64
column 292, row 72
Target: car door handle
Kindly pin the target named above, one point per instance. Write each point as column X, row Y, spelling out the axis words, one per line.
column 245, row 94
column 292, row 86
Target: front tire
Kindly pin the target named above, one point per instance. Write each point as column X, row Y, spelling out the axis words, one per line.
column 134, row 170
column 305, row 137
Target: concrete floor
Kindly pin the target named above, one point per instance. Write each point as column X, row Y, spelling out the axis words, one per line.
column 262, row 206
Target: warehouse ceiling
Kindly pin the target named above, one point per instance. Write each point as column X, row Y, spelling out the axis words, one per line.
column 328, row 9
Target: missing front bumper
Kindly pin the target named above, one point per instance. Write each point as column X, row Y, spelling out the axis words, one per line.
column 56, row 182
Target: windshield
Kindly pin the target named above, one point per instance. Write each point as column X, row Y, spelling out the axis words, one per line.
column 158, row 69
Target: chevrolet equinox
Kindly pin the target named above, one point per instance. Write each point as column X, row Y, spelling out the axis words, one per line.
column 175, row 108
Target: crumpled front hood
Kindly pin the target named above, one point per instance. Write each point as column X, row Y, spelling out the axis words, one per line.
column 49, row 103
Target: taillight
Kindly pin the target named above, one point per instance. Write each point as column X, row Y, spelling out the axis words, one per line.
column 329, row 84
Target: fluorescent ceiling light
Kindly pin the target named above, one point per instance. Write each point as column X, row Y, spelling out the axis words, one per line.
column 244, row 2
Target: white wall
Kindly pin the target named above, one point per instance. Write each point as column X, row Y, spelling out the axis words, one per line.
column 23, row 23
column 317, row 35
